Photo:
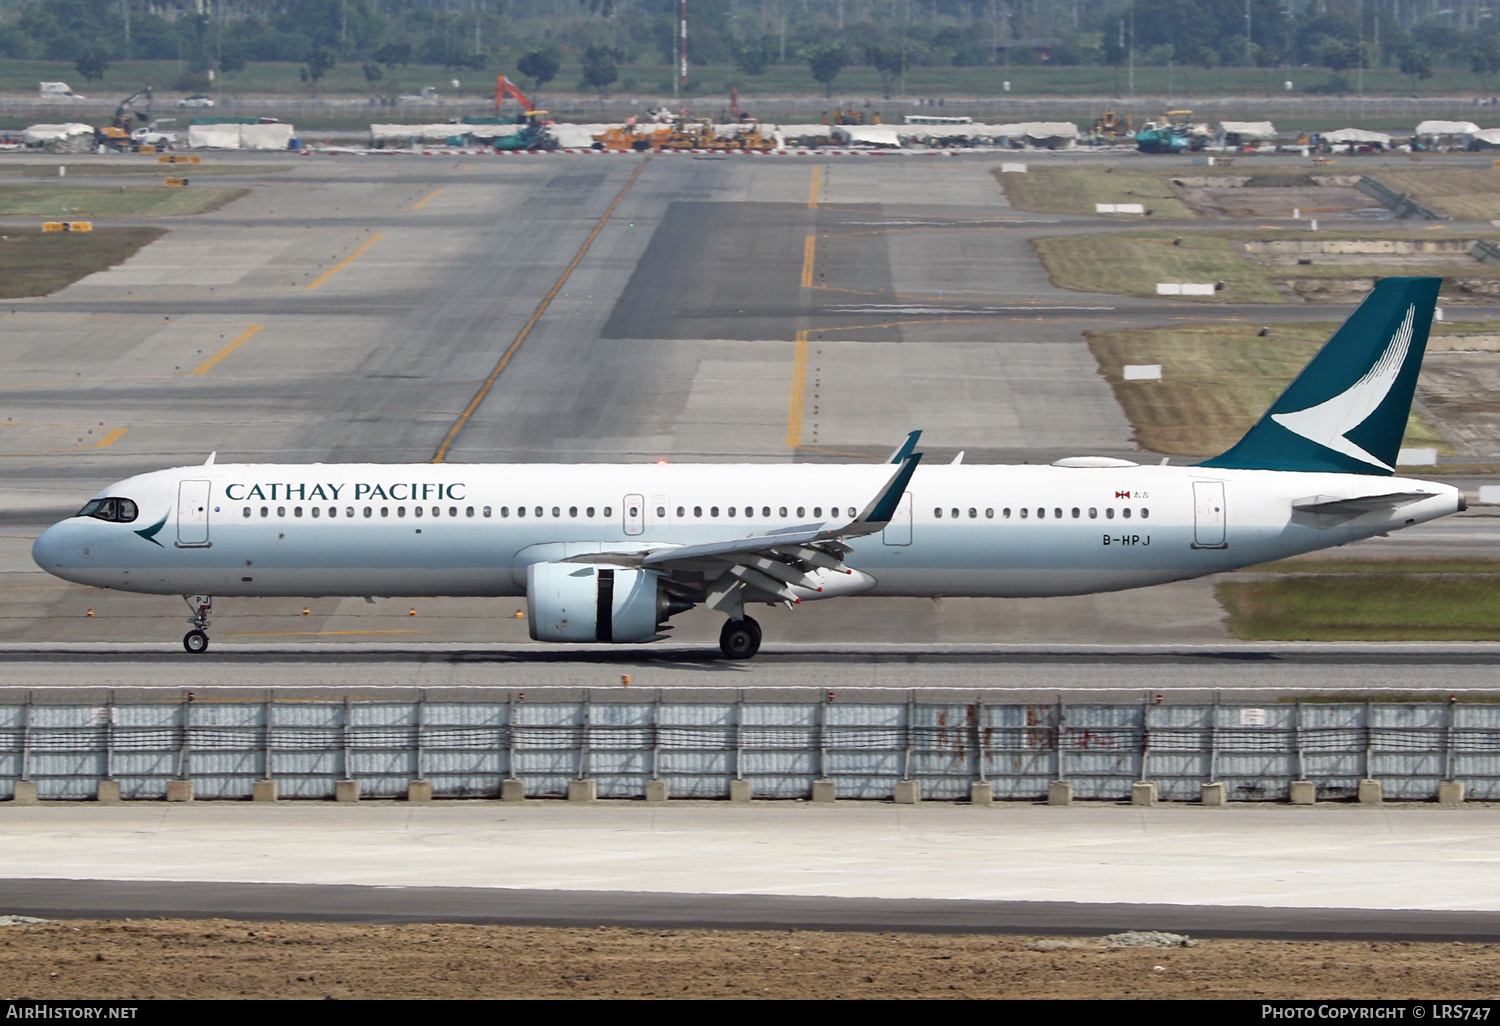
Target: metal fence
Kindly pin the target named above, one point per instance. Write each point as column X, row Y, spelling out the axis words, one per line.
column 465, row 749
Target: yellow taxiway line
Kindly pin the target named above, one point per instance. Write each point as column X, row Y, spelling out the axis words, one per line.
column 336, row 268
column 213, row 361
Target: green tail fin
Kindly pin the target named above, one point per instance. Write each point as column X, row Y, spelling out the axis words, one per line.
column 1346, row 412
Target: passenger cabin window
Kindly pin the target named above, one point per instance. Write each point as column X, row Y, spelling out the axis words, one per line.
column 989, row 514
column 1093, row 513
column 1075, row 512
column 247, row 512
column 1125, row 512
column 1109, row 513
column 1145, row 513
column 116, row 511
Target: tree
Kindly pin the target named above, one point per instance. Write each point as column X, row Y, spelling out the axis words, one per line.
column 752, row 60
column 319, row 61
column 541, row 66
column 373, row 72
column 826, row 62
column 394, row 55
column 889, row 62
column 599, row 69
column 1484, row 59
column 92, row 64
column 232, row 62
column 1416, row 63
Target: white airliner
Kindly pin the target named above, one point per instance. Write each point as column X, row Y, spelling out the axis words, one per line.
column 610, row 552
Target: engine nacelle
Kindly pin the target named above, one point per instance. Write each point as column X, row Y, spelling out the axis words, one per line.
column 595, row 602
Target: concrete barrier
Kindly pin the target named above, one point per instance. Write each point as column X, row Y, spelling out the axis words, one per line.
column 346, row 791
column 1059, row 792
column 513, row 790
column 824, row 791
column 1370, row 792
column 981, row 792
column 1451, row 792
column 265, row 791
column 108, row 792
column 419, row 791
column 25, row 793
column 1214, row 795
column 740, row 791
column 908, row 792
column 1304, row 792
column 583, row 791
column 657, row 792
column 179, row 790
column 1143, row 792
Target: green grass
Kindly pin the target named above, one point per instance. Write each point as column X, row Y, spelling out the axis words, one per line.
column 152, row 169
column 1320, row 563
column 1365, row 607
column 1467, row 193
column 34, row 263
column 70, row 202
column 1131, row 263
column 1217, row 380
column 1049, row 190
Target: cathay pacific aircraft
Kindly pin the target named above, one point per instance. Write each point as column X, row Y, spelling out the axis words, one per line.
column 610, row 552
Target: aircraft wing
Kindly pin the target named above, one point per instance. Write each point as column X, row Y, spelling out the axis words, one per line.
column 766, row 567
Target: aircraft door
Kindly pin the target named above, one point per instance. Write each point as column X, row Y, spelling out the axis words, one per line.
column 1208, row 515
column 634, row 511
column 192, row 514
column 898, row 531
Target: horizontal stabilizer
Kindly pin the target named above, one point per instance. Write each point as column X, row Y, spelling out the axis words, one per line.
column 1331, row 505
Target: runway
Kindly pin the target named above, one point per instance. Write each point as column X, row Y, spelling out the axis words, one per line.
column 345, row 903
column 1234, row 672
column 1404, row 872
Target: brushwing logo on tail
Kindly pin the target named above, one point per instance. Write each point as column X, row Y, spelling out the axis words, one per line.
column 1329, row 422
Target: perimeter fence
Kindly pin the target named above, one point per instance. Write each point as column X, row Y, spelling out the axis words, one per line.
column 780, row 748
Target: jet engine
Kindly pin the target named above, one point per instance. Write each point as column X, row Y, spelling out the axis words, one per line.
column 594, row 602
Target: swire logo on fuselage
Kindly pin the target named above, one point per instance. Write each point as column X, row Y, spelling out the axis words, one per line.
column 400, row 491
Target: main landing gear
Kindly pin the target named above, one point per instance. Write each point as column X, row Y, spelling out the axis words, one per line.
column 196, row 640
column 739, row 639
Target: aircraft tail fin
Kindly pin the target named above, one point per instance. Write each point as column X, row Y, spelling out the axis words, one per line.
column 1346, row 412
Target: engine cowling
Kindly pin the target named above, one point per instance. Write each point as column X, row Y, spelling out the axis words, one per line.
column 596, row 602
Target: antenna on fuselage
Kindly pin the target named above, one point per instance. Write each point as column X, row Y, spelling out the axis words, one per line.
column 210, row 461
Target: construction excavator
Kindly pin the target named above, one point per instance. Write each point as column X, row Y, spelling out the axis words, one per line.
column 533, row 134
column 116, row 134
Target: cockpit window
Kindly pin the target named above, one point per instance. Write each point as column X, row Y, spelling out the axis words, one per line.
column 120, row 511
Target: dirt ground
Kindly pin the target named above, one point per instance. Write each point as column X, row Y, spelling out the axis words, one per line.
column 158, row 959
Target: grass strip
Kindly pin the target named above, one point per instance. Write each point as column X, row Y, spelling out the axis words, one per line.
column 1131, row 264
column 1056, row 190
column 1331, row 564
column 71, row 202
column 1217, row 380
column 1364, row 607
column 35, row 263
column 1467, row 193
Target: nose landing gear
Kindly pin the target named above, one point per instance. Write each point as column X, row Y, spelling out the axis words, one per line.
column 739, row 639
column 196, row 640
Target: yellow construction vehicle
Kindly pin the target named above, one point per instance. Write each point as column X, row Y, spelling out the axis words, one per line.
column 1113, row 124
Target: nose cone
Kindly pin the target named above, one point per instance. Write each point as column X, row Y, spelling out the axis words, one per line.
column 49, row 551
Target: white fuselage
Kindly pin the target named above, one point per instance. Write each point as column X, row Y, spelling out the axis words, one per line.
column 443, row 529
